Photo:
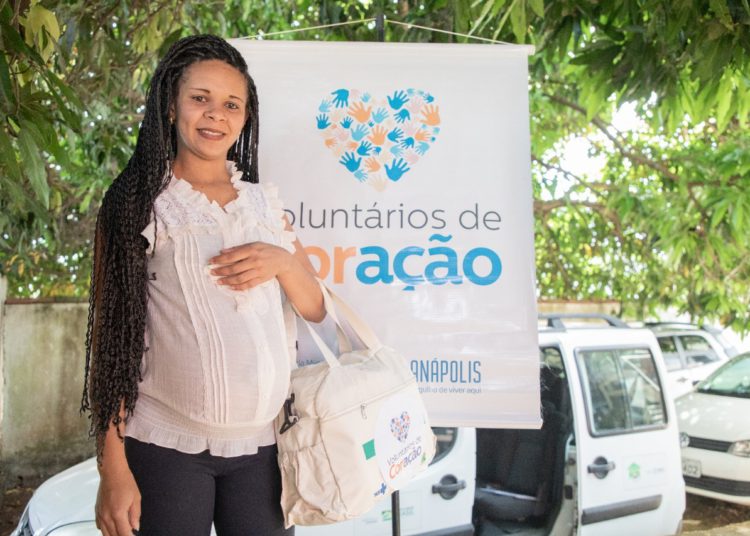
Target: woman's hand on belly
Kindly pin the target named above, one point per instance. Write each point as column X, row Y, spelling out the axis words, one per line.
column 250, row 265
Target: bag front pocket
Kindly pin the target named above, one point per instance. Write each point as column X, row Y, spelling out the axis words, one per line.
column 310, row 494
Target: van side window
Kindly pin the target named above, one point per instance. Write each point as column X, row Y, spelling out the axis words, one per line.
column 697, row 350
column 551, row 356
column 623, row 393
column 670, row 352
column 446, row 438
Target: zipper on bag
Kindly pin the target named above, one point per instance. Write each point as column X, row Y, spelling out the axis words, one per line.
column 363, row 405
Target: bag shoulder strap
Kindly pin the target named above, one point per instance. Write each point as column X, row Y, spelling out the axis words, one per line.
column 359, row 326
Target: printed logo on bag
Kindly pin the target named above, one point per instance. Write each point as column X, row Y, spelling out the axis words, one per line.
column 381, row 490
column 378, row 139
column 400, row 439
column 400, row 426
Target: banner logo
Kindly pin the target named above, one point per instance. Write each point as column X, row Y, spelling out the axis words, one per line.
column 378, row 140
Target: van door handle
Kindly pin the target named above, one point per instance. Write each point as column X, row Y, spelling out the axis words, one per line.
column 601, row 467
column 448, row 487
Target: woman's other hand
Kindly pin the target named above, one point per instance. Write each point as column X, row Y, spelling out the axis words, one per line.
column 118, row 503
column 249, row 265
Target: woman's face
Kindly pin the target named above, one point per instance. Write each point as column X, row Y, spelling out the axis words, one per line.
column 210, row 110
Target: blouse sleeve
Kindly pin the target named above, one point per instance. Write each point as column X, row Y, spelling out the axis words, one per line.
column 276, row 207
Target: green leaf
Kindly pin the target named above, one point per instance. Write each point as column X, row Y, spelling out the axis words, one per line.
column 719, row 7
column 724, row 108
column 719, row 211
column 8, row 160
column 518, row 20
column 537, row 6
column 5, row 84
column 83, row 206
column 34, row 166
column 599, row 57
column 39, row 17
column 38, row 20
column 13, row 43
column 488, row 5
column 65, row 89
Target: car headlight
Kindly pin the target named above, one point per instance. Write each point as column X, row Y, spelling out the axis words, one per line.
column 740, row 448
column 684, row 440
column 24, row 527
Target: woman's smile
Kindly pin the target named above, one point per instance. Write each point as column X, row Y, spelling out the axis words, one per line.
column 211, row 134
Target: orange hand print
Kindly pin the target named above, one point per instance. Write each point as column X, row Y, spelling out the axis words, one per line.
column 431, row 115
column 330, row 142
column 422, row 135
column 352, row 145
column 359, row 112
column 372, row 164
column 378, row 135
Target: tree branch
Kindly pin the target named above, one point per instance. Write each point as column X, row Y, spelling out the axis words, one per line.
column 618, row 143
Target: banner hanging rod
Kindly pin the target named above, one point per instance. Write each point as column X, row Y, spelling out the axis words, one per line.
column 408, row 26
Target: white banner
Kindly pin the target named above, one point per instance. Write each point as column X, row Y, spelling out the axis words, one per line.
column 405, row 170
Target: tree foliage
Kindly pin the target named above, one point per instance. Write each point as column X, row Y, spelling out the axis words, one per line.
column 657, row 218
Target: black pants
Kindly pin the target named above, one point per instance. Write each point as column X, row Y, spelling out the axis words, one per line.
column 182, row 494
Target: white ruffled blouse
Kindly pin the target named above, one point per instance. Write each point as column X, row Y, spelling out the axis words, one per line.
column 216, row 369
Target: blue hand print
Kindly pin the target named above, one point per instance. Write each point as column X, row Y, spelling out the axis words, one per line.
column 340, row 98
column 366, row 97
column 398, row 100
column 379, row 115
column 407, row 143
column 347, row 122
column 397, row 169
column 359, row 132
column 395, row 135
column 396, row 150
column 378, row 149
column 351, row 162
column 361, row 175
column 325, row 106
column 323, row 122
column 403, row 115
column 422, row 148
column 429, row 98
column 364, row 148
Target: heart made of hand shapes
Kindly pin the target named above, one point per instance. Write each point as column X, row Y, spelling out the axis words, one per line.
column 378, row 140
column 400, row 426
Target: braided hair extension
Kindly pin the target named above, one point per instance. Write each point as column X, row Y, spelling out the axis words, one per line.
column 119, row 294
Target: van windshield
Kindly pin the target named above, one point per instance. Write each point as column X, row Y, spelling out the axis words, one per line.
column 733, row 379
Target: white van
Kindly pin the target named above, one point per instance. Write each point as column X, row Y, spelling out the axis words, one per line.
column 605, row 462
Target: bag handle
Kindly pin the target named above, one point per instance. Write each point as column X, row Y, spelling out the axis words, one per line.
column 359, row 326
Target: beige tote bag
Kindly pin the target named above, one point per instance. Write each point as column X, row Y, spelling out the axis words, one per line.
column 353, row 430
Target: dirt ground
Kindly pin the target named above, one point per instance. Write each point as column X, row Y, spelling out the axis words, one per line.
column 702, row 514
column 12, row 503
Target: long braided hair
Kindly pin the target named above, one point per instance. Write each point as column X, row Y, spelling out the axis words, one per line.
column 118, row 294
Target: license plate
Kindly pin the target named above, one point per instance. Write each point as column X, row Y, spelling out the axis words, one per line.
column 691, row 468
